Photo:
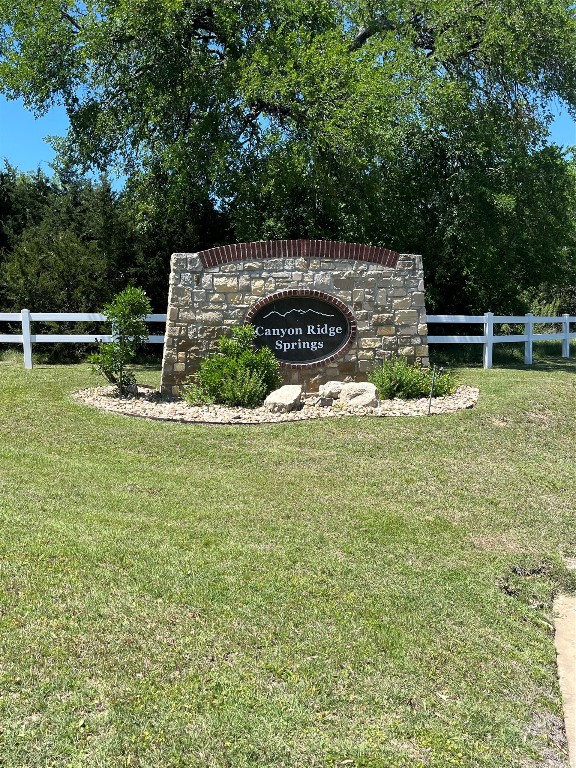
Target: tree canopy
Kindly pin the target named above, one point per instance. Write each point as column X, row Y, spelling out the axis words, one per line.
column 417, row 125
column 70, row 245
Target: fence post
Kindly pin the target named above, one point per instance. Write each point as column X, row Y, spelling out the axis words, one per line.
column 529, row 332
column 566, row 335
column 489, row 338
column 26, row 338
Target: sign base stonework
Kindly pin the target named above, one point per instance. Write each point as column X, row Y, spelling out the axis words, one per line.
column 327, row 310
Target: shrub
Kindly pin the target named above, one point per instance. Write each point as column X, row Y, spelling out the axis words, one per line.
column 399, row 378
column 235, row 375
column 126, row 314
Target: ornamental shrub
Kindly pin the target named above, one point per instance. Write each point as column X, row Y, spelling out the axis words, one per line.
column 235, row 375
column 399, row 378
column 126, row 314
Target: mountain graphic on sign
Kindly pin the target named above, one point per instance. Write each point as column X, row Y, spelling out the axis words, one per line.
column 298, row 311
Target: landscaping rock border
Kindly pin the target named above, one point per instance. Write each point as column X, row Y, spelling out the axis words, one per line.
column 151, row 405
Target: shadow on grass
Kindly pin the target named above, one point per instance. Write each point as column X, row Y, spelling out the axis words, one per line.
column 550, row 365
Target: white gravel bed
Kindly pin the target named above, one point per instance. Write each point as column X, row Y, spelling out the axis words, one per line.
column 150, row 405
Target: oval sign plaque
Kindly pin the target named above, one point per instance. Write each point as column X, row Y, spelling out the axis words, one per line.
column 300, row 329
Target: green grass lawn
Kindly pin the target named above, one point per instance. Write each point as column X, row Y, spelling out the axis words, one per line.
column 362, row 592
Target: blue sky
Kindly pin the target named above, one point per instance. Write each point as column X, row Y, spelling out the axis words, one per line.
column 22, row 137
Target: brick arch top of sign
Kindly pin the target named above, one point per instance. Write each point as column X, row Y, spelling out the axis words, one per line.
column 279, row 249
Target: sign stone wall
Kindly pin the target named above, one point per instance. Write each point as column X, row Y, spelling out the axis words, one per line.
column 327, row 310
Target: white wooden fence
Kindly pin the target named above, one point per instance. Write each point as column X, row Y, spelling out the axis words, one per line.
column 27, row 338
column 488, row 338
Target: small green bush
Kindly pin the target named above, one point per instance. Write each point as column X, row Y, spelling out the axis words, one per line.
column 399, row 378
column 235, row 375
column 127, row 315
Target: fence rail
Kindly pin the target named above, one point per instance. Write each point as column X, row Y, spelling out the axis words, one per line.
column 488, row 338
column 27, row 338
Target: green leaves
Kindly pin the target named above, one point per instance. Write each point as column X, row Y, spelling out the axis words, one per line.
column 126, row 315
column 398, row 124
column 62, row 243
column 399, row 378
column 236, row 375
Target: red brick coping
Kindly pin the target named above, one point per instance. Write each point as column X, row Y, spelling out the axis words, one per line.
column 277, row 249
column 304, row 292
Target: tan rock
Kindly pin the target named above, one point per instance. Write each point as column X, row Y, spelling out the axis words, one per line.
column 285, row 399
column 226, row 284
column 331, row 389
column 403, row 303
column 257, row 287
column 407, row 317
column 382, row 318
column 359, row 395
column 369, row 343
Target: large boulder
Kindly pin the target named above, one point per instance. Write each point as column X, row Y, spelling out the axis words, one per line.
column 359, row 395
column 330, row 389
column 287, row 398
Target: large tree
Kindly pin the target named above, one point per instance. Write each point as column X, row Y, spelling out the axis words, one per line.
column 419, row 125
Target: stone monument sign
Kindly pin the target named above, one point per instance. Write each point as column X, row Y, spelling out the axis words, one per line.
column 327, row 310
